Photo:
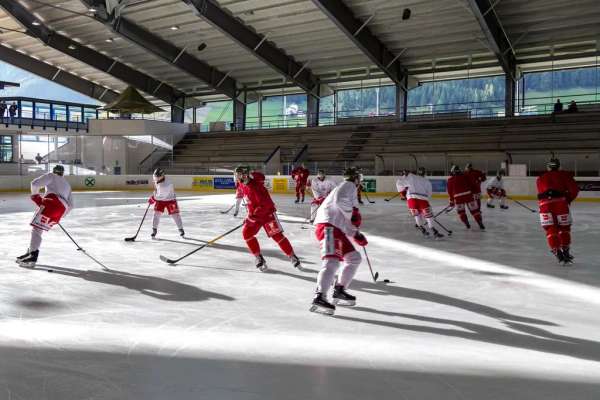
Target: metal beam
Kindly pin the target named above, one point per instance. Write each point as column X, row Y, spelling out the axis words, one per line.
column 363, row 38
column 90, row 56
column 63, row 77
column 258, row 44
column 484, row 12
column 222, row 83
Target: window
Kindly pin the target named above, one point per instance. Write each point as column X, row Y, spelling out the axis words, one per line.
column 6, row 149
column 366, row 102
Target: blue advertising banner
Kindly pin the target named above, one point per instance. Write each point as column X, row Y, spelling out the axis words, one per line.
column 223, row 182
column 438, row 185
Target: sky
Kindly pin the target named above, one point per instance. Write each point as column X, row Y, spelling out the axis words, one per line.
column 37, row 87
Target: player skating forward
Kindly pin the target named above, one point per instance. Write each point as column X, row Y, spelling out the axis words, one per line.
column 495, row 191
column 261, row 214
column 300, row 175
column 239, row 196
column 321, row 187
column 55, row 204
column 418, row 192
column 476, row 178
column 556, row 190
column 461, row 197
column 338, row 219
column 164, row 199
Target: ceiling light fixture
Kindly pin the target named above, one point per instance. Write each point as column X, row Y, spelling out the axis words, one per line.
column 174, row 28
column 109, row 40
column 92, row 10
column 201, row 46
column 72, row 47
column 406, row 14
column 35, row 23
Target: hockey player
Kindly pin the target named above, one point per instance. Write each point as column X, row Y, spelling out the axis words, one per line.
column 495, row 190
column 320, row 187
column 461, row 197
column 239, row 196
column 476, row 178
column 418, row 192
column 261, row 214
column 164, row 199
column 55, row 204
column 556, row 190
column 338, row 219
column 300, row 175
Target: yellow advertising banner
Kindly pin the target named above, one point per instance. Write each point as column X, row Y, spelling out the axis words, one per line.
column 280, row 185
column 203, row 183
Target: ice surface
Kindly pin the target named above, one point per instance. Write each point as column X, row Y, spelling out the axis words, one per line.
column 479, row 315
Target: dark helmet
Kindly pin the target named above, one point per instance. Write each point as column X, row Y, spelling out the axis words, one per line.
column 351, row 174
column 321, row 173
column 58, row 170
column 158, row 172
column 553, row 164
column 455, row 170
column 421, row 171
column 242, row 170
column 468, row 167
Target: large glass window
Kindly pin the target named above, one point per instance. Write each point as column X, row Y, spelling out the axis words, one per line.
column 284, row 111
column 480, row 97
column 326, row 110
column 252, row 121
column 366, row 102
column 6, row 149
column 219, row 113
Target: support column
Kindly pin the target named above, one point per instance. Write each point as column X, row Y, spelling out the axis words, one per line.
column 312, row 109
column 510, row 92
column 402, row 100
column 239, row 115
column 178, row 110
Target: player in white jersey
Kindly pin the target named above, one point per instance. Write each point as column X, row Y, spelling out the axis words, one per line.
column 164, row 199
column 338, row 219
column 320, row 187
column 495, row 190
column 418, row 192
column 55, row 204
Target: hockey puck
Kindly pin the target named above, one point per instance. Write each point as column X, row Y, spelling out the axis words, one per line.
column 386, row 280
column 50, row 270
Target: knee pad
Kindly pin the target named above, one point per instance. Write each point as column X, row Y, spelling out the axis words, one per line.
column 564, row 219
column 546, row 219
column 352, row 258
column 278, row 237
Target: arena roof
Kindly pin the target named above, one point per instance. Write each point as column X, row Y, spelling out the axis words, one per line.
column 213, row 48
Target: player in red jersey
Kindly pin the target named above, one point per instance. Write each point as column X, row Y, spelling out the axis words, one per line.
column 261, row 214
column 476, row 178
column 300, row 175
column 461, row 197
column 556, row 190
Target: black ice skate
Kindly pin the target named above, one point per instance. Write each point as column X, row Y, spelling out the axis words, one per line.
column 424, row 231
column 261, row 263
column 492, row 206
column 436, row 234
column 296, row 262
column 297, row 201
column 568, row 257
column 321, row 305
column 30, row 259
column 504, row 207
column 467, row 225
column 23, row 256
column 181, row 233
column 154, row 232
column 559, row 255
column 235, row 214
column 481, row 226
column 343, row 298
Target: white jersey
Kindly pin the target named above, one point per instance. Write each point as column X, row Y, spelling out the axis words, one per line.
column 337, row 208
column 321, row 188
column 496, row 183
column 164, row 191
column 418, row 187
column 55, row 184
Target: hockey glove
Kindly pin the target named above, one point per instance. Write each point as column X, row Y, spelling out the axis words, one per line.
column 356, row 218
column 37, row 199
column 360, row 239
column 151, row 200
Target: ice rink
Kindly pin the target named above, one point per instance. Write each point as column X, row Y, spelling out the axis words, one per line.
column 478, row 315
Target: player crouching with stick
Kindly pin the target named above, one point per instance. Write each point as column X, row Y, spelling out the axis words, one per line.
column 55, row 204
column 338, row 219
column 164, row 199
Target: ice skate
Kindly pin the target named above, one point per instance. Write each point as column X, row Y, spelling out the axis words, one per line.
column 261, row 263
column 154, row 232
column 235, row 214
column 467, row 225
column 491, row 206
column 424, row 231
column 567, row 256
column 23, row 256
column 321, row 306
column 436, row 233
column 504, row 207
column 343, row 298
column 297, row 201
column 29, row 260
column 481, row 226
column 559, row 255
column 296, row 262
column 181, row 233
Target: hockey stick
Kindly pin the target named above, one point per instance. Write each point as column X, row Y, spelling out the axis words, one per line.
column 367, row 197
column 132, row 239
column 447, row 208
column 448, row 231
column 373, row 275
column 170, row 261
column 521, row 204
column 227, row 211
column 79, row 248
column 393, row 197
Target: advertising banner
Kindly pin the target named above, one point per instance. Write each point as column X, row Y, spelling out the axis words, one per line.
column 280, row 185
column 223, row 182
column 439, row 185
column 369, row 185
column 202, row 183
column 589, row 186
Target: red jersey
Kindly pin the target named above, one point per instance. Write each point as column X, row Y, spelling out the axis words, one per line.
column 300, row 175
column 555, row 185
column 257, row 196
column 475, row 178
column 459, row 186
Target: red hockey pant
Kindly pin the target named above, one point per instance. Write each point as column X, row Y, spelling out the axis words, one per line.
column 555, row 218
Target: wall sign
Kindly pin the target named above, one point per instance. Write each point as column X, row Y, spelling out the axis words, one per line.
column 90, row 182
column 202, row 182
column 223, row 182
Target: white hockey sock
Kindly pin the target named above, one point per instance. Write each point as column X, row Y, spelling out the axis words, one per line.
column 313, row 211
column 351, row 263
column 156, row 219
column 36, row 239
column 419, row 220
column 177, row 219
column 327, row 275
column 237, row 205
column 429, row 223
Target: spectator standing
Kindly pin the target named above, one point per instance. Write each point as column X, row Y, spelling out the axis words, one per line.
column 2, row 109
column 558, row 107
column 572, row 107
column 12, row 110
column 39, row 158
